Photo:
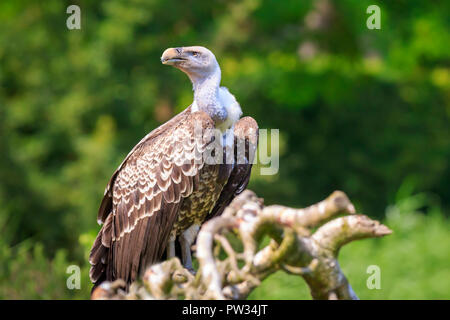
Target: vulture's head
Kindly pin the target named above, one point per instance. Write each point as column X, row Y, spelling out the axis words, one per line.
column 197, row 62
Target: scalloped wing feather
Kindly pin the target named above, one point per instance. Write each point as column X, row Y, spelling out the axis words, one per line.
column 143, row 198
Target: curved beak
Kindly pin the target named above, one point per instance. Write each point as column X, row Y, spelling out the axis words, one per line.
column 172, row 56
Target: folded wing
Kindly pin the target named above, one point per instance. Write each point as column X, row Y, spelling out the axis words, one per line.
column 143, row 197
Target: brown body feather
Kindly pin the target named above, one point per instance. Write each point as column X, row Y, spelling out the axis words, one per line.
column 161, row 188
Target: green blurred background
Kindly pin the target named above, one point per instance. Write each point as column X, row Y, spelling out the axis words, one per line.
column 363, row 111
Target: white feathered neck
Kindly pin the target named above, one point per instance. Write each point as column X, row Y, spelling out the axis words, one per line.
column 215, row 100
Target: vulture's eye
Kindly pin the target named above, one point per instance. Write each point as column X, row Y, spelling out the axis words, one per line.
column 195, row 54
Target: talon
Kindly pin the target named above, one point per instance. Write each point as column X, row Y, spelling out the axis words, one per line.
column 191, row 270
column 187, row 238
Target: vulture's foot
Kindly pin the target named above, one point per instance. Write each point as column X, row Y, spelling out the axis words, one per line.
column 191, row 270
column 170, row 250
column 186, row 239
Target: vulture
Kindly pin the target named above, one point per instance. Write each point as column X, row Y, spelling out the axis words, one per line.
column 166, row 187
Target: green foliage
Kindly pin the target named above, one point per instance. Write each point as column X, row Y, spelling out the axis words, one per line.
column 358, row 110
column 26, row 273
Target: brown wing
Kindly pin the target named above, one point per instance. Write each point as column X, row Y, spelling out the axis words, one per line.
column 106, row 205
column 142, row 199
column 245, row 144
